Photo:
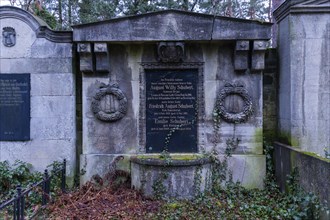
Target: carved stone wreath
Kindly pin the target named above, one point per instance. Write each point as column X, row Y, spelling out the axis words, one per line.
column 234, row 89
column 118, row 94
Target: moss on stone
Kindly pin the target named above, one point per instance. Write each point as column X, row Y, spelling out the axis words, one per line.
column 172, row 156
column 312, row 154
column 270, row 135
column 286, row 138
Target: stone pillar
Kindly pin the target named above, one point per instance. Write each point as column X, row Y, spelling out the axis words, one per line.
column 304, row 83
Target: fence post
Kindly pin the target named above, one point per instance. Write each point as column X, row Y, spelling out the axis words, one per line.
column 63, row 177
column 45, row 191
column 18, row 209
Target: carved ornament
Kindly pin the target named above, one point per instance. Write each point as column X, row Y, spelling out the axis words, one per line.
column 234, row 89
column 8, row 36
column 112, row 112
column 170, row 51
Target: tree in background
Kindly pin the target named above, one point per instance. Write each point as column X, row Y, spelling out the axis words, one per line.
column 69, row 12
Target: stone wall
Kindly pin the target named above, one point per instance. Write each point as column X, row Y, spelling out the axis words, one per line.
column 304, row 92
column 313, row 171
column 229, row 63
column 270, row 99
column 47, row 57
column 102, row 141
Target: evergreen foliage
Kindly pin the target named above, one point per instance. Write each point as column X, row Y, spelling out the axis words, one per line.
column 70, row 12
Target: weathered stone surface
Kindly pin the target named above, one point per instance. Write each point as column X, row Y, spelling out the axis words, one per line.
column 42, row 48
column 47, row 57
column 242, row 55
column 101, row 58
column 36, row 65
column 182, row 179
column 91, row 164
column 40, row 153
column 304, row 78
column 249, row 170
column 25, row 37
column 171, row 25
column 52, row 128
column 47, row 84
column 314, row 171
column 230, row 28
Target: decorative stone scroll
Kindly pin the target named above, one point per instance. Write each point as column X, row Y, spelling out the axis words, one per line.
column 101, row 58
column 234, row 89
column 86, row 61
column 241, row 61
column 258, row 55
column 170, row 51
column 109, row 103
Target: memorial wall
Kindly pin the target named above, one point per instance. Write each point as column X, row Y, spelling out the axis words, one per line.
column 37, row 92
column 156, row 85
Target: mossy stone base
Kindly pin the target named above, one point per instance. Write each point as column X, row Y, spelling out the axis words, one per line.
column 181, row 177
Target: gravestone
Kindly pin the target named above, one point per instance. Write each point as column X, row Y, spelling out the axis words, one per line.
column 37, row 92
column 171, row 107
column 174, row 78
column 15, row 107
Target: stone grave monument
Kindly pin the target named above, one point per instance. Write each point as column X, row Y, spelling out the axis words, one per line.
column 154, row 82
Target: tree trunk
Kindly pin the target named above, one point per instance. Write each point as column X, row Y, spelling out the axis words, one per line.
column 60, row 18
column 70, row 12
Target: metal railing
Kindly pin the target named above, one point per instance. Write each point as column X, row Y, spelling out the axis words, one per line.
column 18, row 201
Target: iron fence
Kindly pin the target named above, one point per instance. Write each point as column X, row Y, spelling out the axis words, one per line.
column 18, row 201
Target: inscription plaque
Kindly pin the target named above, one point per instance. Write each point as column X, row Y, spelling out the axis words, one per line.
column 171, row 110
column 14, row 107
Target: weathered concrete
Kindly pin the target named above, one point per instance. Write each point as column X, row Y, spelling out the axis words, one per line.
column 47, row 56
column 91, row 164
column 249, row 170
column 209, row 47
column 270, row 93
column 304, row 92
column 172, row 25
column 181, row 179
column 314, row 171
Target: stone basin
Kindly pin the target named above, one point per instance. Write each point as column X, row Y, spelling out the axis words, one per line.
column 182, row 176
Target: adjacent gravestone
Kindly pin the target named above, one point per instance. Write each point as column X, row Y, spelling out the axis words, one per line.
column 14, row 107
column 171, row 110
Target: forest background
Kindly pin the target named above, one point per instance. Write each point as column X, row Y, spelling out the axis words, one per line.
column 61, row 14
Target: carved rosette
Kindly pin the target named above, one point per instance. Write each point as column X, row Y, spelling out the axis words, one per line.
column 234, row 89
column 117, row 112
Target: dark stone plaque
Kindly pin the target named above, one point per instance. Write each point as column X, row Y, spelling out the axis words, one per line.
column 15, row 107
column 171, row 110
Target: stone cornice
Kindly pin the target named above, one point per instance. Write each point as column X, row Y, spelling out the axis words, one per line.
column 41, row 29
column 301, row 6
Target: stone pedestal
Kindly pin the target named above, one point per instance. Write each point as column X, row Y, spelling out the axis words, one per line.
column 172, row 177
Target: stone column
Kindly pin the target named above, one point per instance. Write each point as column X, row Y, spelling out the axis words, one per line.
column 304, row 82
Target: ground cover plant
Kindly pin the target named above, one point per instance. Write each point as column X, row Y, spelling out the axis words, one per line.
column 226, row 200
column 20, row 174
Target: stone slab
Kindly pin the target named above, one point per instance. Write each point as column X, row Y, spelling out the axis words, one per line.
column 36, row 65
column 249, row 170
column 91, row 164
column 314, row 171
column 172, row 25
column 48, row 84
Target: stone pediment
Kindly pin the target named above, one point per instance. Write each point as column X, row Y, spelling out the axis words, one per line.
column 40, row 27
column 301, row 6
column 172, row 25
